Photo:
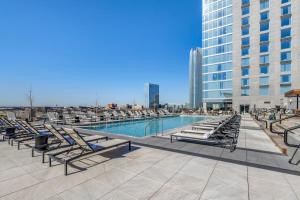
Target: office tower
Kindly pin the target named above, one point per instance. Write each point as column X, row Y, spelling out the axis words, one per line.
column 195, row 78
column 217, row 54
column 151, row 95
column 259, row 40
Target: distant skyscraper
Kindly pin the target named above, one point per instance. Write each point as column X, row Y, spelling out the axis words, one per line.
column 195, row 78
column 151, row 95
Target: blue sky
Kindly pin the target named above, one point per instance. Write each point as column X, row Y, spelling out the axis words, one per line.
column 72, row 52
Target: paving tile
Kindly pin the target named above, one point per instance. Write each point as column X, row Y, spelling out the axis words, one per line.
column 170, row 193
column 135, row 166
column 187, row 183
column 117, row 195
column 173, row 162
column 263, row 189
column 15, row 184
column 294, row 182
column 55, row 197
column 158, row 174
column 199, row 168
column 89, row 190
column 140, row 187
column 114, row 177
column 50, row 188
column 11, row 173
column 228, row 181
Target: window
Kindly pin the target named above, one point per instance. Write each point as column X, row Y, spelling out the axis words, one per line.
column 264, row 59
column 264, row 15
column 264, row 70
column 286, row 10
column 285, row 44
column 264, row 26
column 285, row 1
column 285, row 67
column 264, row 4
column 286, row 33
column 245, row 10
column 245, row 51
column 285, row 56
column 285, row 78
column 245, row 92
column 264, row 48
column 245, row 71
column 245, row 82
column 263, row 91
column 245, row 62
column 245, row 21
column 245, row 30
column 264, row 80
column 284, row 89
column 285, row 21
column 245, row 41
column 245, row 2
column 264, row 37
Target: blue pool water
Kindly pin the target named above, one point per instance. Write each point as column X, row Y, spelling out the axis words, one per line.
column 150, row 126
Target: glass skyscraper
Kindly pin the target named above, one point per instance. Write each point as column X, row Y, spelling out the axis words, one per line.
column 195, row 78
column 217, row 54
column 151, row 95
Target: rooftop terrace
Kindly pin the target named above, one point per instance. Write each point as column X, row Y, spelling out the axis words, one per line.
column 158, row 169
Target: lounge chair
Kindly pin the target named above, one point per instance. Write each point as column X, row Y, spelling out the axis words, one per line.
column 63, row 141
column 13, row 130
column 225, row 134
column 29, row 134
column 11, row 116
column 85, row 147
column 52, row 116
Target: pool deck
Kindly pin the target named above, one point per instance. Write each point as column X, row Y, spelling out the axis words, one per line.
column 158, row 169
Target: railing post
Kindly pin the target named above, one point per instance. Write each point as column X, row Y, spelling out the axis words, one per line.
column 280, row 118
column 162, row 126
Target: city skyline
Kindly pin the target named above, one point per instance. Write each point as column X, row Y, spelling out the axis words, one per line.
column 76, row 53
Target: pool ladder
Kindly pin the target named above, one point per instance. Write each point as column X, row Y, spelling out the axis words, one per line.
column 155, row 119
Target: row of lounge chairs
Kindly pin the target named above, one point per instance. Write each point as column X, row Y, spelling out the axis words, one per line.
column 63, row 145
column 90, row 116
column 224, row 131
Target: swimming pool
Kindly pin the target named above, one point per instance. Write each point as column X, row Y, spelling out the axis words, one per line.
column 147, row 127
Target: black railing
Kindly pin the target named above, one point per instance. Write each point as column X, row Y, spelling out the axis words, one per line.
column 286, row 142
column 280, row 120
column 265, row 121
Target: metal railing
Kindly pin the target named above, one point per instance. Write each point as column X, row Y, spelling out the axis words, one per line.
column 157, row 129
column 280, row 120
column 297, row 146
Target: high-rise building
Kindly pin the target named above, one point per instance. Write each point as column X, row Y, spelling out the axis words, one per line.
column 217, row 54
column 151, row 95
column 195, row 78
column 266, row 55
column 251, row 52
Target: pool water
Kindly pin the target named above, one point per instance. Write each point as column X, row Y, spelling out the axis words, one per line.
column 147, row 127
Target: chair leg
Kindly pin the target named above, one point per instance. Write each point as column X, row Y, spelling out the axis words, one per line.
column 129, row 146
column 50, row 161
column 32, row 152
column 66, row 168
column 18, row 145
column 43, row 157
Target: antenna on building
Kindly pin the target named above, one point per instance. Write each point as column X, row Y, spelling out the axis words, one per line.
column 30, row 100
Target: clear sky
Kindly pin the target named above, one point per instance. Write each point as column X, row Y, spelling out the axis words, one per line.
column 72, row 52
